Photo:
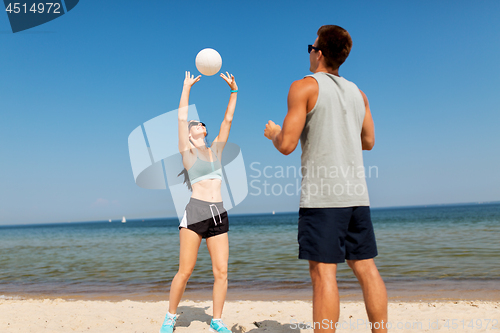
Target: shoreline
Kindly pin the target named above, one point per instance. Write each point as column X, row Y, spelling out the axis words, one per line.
column 398, row 291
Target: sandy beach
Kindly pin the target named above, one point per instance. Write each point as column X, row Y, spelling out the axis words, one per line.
column 241, row 316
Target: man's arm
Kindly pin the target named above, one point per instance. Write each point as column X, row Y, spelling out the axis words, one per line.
column 368, row 129
column 286, row 139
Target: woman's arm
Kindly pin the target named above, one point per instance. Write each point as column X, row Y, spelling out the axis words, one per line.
column 189, row 80
column 225, row 127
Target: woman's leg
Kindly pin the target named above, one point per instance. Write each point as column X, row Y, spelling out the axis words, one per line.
column 189, row 244
column 218, row 247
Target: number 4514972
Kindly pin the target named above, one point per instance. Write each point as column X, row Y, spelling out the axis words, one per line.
column 40, row 8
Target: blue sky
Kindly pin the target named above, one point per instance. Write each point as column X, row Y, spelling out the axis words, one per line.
column 73, row 89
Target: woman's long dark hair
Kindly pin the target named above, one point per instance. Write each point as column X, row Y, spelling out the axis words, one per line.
column 184, row 171
column 186, row 179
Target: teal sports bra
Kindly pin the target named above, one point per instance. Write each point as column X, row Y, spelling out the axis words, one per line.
column 202, row 170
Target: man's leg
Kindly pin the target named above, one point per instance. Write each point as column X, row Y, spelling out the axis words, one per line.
column 374, row 292
column 325, row 296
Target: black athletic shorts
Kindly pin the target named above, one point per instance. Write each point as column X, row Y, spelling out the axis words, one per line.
column 205, row 218
column 332, row 235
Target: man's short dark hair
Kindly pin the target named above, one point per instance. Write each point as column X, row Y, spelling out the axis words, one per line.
column 335, row 44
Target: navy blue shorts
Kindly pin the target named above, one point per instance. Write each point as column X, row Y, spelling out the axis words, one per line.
column 332, row 235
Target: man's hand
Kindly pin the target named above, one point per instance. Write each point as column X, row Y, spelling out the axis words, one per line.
column 272, row 130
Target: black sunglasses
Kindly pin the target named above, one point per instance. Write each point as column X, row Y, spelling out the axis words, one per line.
column 310, row 48
column 196, row 123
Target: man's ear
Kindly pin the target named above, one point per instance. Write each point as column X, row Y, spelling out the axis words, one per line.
column 320, row 55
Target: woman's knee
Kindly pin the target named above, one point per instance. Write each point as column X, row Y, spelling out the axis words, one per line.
column 185, row 274
column 220, row 273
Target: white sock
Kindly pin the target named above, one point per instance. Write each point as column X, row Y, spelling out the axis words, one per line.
column 171, row 315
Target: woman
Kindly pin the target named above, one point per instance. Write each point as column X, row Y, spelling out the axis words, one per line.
column 205, row 216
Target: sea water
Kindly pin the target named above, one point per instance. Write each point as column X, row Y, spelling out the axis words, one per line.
column 430, row 246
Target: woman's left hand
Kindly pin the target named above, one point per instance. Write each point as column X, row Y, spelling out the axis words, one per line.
column 230, row 80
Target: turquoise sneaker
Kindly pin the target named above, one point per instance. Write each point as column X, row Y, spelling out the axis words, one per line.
column 216, row 325
column 168, row 324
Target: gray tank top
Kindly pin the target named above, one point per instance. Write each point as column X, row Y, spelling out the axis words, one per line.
column 332, row 160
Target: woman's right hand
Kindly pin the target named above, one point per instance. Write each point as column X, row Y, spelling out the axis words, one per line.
column 189, row 80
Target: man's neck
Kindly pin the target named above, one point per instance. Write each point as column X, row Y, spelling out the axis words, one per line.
column 327, row 70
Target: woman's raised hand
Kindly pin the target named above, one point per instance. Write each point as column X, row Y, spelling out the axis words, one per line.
column 230, row 80
column 189, row 80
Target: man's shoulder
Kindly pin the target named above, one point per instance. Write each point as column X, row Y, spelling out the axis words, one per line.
column 307, row 83
column 308, row 79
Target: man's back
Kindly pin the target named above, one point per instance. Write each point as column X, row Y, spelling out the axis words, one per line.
column 332, row 160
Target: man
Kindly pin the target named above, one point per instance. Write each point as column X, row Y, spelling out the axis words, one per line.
column 332, row 119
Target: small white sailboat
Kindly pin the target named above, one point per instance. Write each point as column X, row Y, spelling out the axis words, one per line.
column 109, row 220
column 273, row 212
column 123, row 220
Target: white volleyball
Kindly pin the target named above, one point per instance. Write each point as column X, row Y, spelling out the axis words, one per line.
column 208, row 62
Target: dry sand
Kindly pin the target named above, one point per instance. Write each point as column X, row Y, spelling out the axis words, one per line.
column 242, row 316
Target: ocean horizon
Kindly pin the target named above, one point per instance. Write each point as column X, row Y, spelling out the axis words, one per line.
column 143, row 219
